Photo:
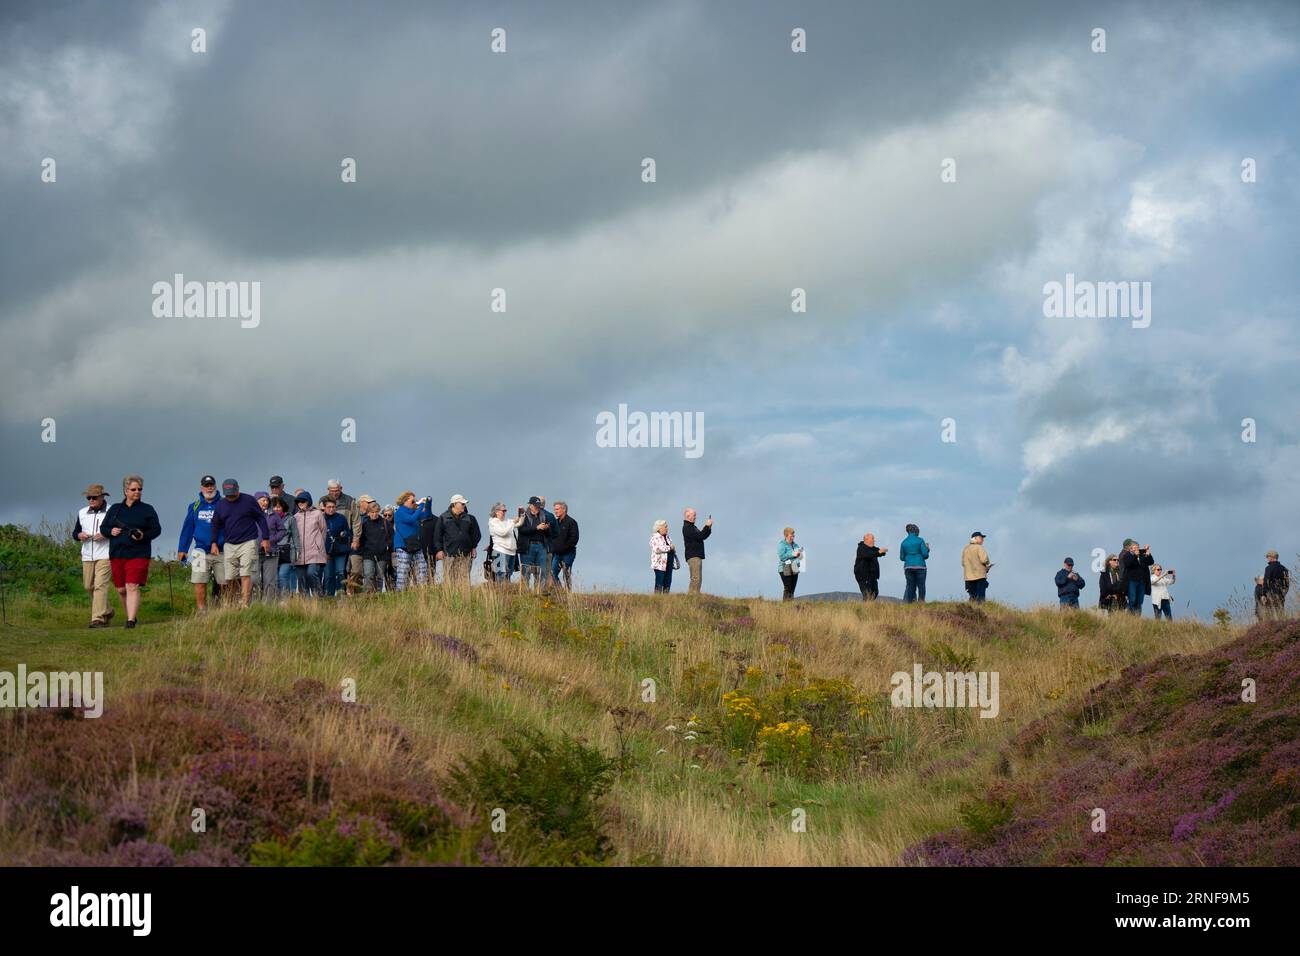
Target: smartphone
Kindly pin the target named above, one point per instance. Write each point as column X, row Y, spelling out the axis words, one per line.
column 521, row 511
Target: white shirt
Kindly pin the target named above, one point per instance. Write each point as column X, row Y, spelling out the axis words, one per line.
column 1160, row 588
column 92, row 550
column 502, row 531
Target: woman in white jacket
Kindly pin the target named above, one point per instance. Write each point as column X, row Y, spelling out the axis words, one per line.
column 505, row 546
column 1161, row 602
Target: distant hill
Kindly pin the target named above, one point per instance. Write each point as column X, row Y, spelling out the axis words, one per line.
column 842, row 596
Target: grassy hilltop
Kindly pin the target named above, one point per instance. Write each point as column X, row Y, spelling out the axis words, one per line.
column 474, row 701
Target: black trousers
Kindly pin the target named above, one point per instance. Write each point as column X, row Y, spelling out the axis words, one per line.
column 788, row 581
column 869, row 588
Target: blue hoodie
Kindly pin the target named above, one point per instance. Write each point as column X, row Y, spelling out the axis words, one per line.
column 406, row 523
column 197, row 529
column 913, row 551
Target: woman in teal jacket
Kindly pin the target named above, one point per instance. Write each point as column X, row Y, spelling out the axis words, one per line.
column 789, row 561
column 913, row 552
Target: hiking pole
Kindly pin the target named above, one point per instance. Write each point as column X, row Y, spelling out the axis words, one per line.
column 4, row 612
column 171, row 599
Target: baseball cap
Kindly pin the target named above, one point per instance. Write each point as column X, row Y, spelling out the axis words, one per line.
column 276, row 481
column 1128, row 541
column 459, row 500
column 978, row 534
column 263, row 494
column 230, row 487
column 534, row 500
column 364, row 499
column 1070, row 561
column 207, row 480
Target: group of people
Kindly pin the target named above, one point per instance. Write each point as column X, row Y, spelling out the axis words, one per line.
column 272, row 544
column 1126, row 581
column 914, row 552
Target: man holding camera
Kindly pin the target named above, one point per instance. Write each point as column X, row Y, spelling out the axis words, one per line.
column 694, row 538
column 535, row 542
column 1135, row 564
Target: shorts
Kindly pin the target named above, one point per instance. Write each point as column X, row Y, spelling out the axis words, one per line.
column 242, row 560
column 129, row 571
column 204, row 566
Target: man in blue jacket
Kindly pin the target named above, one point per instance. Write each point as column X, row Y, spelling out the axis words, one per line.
column 1068, row 584
column 245, row 526
column 913, row 553
column 196, row 542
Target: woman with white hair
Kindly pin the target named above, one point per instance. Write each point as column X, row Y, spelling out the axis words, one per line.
column 505, row 546
column 663, row 557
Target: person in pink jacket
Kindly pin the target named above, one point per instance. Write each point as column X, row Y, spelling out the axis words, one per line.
column 307, row 531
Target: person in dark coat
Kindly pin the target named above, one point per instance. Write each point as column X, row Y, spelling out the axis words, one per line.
column 694, row 538
column 534, row 537
column 564, row 546
column 130, row 527
column 1111, row 585
column 1277, row 581
column 1135, row 563
column 455, row 539
column 1068, row 584
column 866, row 567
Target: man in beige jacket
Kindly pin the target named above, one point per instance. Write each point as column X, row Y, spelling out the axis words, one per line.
column 975, row 566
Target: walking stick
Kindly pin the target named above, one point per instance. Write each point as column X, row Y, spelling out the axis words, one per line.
column 171, row 600
column 4, row 612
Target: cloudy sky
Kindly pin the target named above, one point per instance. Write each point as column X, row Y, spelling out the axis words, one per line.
column 775, row 170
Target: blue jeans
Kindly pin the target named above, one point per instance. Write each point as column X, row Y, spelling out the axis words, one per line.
column 1166, row 607
column 1070, row 601
column 336, row 572
column 664, row 579
column 309, row 577
column 504, row 565
column 976, row 589
column 1136, row 592
column 285, row 579
column 914, row 590
column 536, row 562
column 563, row 563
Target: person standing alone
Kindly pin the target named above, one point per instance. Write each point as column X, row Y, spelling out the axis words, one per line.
column 1068, row 585
column 975, row 566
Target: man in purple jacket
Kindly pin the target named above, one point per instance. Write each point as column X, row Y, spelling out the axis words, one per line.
column 239, row 517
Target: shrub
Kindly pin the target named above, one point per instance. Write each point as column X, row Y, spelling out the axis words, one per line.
column 550, row 790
